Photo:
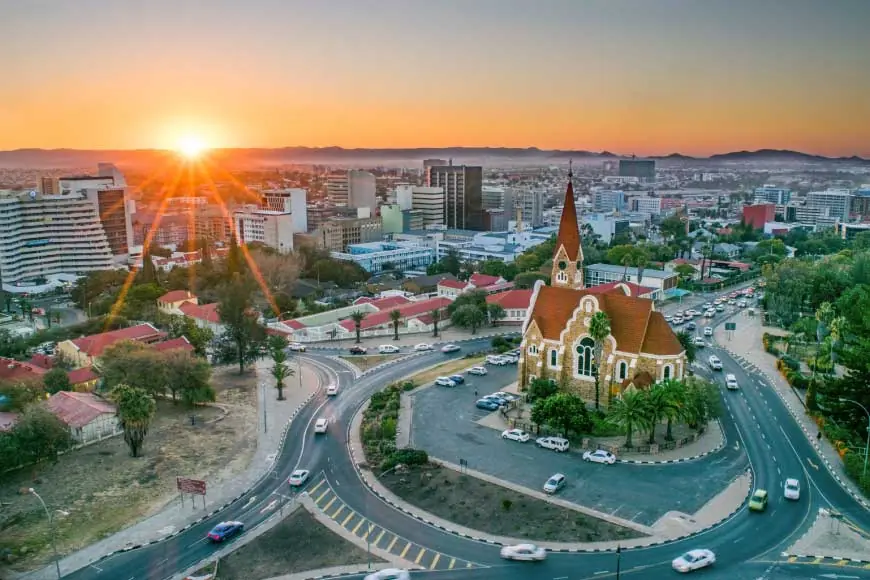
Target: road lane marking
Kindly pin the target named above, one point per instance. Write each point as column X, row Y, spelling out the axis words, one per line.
column 321, row 496
column 338, row 511
column 313, row 489
column 357, row 527
column 817, row 560
column 435, row 561
column 453, row 563
column 792, row 559
column 347, row 519
column 97, row 568
column 381, row 535
column 332, row 501
column 199, row 541
column 405, row 551
column 841, row 563
column 393, row 543
column 420, row 555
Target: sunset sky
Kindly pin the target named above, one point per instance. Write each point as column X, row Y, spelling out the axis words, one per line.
column 629, row 76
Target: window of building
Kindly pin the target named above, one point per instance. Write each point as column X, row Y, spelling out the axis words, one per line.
column 533, row 349
column 561, row 277
column 667, row 372
column 553, row 357
column 585, row 357
column 623, row 370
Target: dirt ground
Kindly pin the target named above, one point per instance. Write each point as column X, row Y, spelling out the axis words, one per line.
column 490, row 508
column 103, row 489
column 448, row 368
column 297, row 544
column 366, row 361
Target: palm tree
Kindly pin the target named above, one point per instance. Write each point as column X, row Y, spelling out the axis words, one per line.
column 599, row 330
column 436, row 316
column 357, row 316
column 836, row 326
column 824, row 316
column 640, row 261
column 135, row 409
column 657, row 408
column 686, row 341
column 395, row 318
column 675, row 394
column 280, row 370
column 628, row 411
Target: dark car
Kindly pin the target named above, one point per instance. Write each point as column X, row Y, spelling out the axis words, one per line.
column 690, row 326
column 358, row 350
column 225, row 530
column 487, row 405
column 500, row 401
column 458, row 379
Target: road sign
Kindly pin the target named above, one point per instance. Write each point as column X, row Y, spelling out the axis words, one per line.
column 730, row 326
column 194, row 486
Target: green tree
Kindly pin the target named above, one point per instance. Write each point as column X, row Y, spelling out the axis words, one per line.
column 468, row 316
column 685, row 271
column 199, row 337
column 675, row 395
column 563, row 411
column 147, row 274
column 540, row 389
column 242, row 330
column 496, row 312
column 702, row 402
column 395, row 320
column 659, row 405
column 687, row 342
column 525, row 280
column 599, row 330
column 39, row 435
column 188, row 377
column 235, row 260
column 136, row 410
column 18, row 394
column 280, row 369
column 436, row 316
column 134, row 364
column 56, row 380
column 861, row 241
column 357, row 316
column 627, row 412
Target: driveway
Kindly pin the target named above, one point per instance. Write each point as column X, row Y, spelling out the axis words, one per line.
column 444, row 425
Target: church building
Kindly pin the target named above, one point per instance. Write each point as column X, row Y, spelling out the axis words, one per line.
column 556, row 337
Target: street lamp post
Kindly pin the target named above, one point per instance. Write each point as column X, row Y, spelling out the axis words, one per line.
column 265, row 425
column 51, row 531
column 867, row 445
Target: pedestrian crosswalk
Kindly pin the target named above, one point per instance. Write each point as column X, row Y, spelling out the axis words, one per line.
column 827, row 561
column 328, row 502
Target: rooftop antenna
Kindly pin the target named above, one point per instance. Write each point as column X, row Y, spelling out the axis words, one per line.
column 570, row 168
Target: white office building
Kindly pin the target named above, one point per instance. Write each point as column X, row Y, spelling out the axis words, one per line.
column 351, row 188
column 395, row 255
column 647, row 205
column 837, row 201
column 660, row 281
column 430, row 202
column 293, row 200
column 271, row 228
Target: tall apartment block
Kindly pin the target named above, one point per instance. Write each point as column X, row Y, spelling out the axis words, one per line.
column 643, row 169
column 293, row 200
column 528, row 204
column 352, row 189
column 772, row 194
column 837, row 202
column 463, row 193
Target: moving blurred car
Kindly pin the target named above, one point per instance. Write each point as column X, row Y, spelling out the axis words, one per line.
column 423, row 347
column 358, row 350
column 389, row 574
column 758, row 501
column 447, row 348
column 699, row 341
column 480, row 371
column 298, row 477
column 554, row 484
column 225, row 530
column 715, row 363
column 600, row 456
column 555, row 443
column 296, row 347
column 731, row 382
column 792, row 489
column 320, row 425
column 524, row 552
column 515, row 435
column 708, row 331
column 694, row 560
column 388, row 349
column 331, row 390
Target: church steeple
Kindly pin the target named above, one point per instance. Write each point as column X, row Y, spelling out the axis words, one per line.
column 568, row 257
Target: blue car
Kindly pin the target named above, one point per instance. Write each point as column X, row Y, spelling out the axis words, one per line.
column 225, row 530
column 458, row 379
column 487, row 405
column 496, row 399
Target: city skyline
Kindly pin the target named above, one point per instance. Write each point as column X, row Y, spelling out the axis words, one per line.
column 649, row 78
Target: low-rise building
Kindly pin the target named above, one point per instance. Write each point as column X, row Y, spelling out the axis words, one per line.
column 658, row 282
column 515, row 304
column 373, row 256
column 271, row 228
column 170, row 302
column 82, row 352
column 88, row 417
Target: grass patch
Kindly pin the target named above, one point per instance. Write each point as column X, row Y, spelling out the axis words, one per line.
column 490, row 508
column 366, row 361
column 447, row 368
column 297, row 544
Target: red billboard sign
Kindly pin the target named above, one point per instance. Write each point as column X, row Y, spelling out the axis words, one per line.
column 194, row 486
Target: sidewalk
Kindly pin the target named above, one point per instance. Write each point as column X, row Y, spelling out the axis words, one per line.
column 446, row 335
column 173, row 517
column 747, row 347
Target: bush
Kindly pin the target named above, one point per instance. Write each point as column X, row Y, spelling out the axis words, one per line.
column 506, row 504
column 790, row 362
column 405, row 457
column 498, row 342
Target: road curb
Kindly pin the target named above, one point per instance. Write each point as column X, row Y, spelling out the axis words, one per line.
column 717, row 449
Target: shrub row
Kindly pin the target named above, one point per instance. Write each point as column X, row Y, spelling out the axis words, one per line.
column 378, row 429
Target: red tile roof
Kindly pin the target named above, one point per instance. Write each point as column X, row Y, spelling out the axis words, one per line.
column 78, row 409
column 660, row 339
column 82, row 375
column 620, row 287
column 483, row 280
column 207, row 312
column 457, row 284
column 174, row 344
column 7, row 421
column 511, row 299
column 363, row 300
column 176, row 296
column 410, row 310
column 95, row 344
column 13, row 370
column 42, row 360
column 569, row 230
column 389, row 302
column 294, row 324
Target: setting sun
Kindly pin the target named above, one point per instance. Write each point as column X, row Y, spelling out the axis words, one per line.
column 190, row 146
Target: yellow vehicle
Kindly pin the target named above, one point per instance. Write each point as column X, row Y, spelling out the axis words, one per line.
column 758, row 501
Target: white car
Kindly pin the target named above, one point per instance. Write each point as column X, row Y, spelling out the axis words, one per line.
column 296, row 347
column 389, row 574
column 450, row 348
column 331, row 390
column 694, row 560
column 320, row 425
column 708, row 331
column 506, row 396
column 669, row 318
column 707, row 305
column 445, row 382
column 731, row 382
column 720, row 308
column 742, row 304
column 715, row 363
column 699, row 341
column 494, row 359
column 480, row 371
column 732, row 302
column 298, row 477
column 422, row 347
column 600, row 456
column 555, row 443
column 554, row 484
column 515, row 435
column 388, row 349
column 792, row 489
column 524, row 552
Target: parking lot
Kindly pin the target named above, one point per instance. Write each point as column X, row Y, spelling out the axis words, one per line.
column 444, row 424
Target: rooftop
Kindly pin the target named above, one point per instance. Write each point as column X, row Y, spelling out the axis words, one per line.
column 647, row 273
column 78, row 409
column 95, row 344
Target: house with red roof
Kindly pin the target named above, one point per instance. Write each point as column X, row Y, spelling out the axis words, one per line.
column 13, row 371
column 89, row 417
column 205, row 315
column 83, row 380
column 85, row 350
column 515, row 304
column 415, row 316
column 451, row 288
column 171, row 302
column 483, row 281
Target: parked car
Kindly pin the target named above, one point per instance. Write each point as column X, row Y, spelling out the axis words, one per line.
column 448, row 348
column 711, row 313
column 555, row 443
column 731, row 382
column 500, row 401
column 444, row 382
column 714, row 363
column 358, row 350
column 694, row 560
column 225, row 530
column 515, row 435
column 487, row 405
column 422, row 347
column 331, row 390
column 320, row 425
column 554, row 484
column 479, row 371
column 742, row 304
column 458, row 379
column 708, row 331
column 758, row 501
column 720, row 308
column 506, row 396
column 524, row 552
column 600, row 456
column 388, row 349
column 495, row 359
column 669, row 318
column 298, row 477
column 690, row 325
column 389, row 574
column 792, row 489
column 296, row 347
column 707, row 305
column 699, row 341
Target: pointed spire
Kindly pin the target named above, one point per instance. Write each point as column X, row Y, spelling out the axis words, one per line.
column 569, row 230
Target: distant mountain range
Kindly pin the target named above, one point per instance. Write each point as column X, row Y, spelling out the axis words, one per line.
column 493, row 156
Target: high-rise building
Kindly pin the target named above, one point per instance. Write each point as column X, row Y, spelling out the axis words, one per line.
column 49, row 185
column 647, row 205
column 529, row 202
column 463, row 204
column 336, row 233
column 293, row 200
column 352, row 188
column 758, row 215
column 212, row 223
column 498, row 198
column 271, row 228
column 391, row 219
column 838, row 202
column 430, row 202
column 643, row 169
column 772, row 194
column 607, row 201
column 405, row 196
column 429, row 164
